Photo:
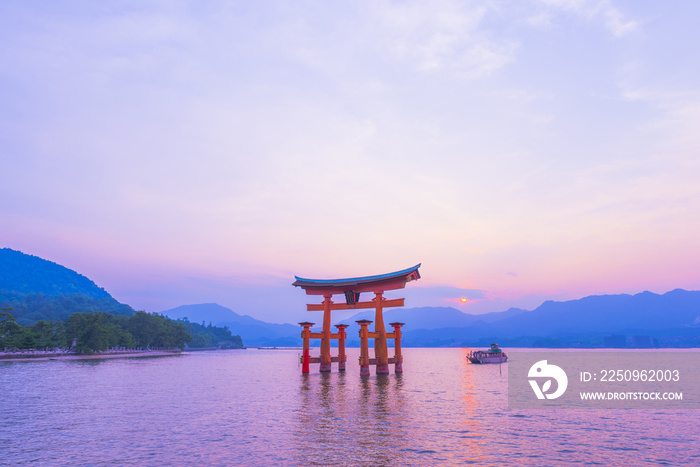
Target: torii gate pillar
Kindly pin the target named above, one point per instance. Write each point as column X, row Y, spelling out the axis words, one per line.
column 398, row 358
column 364, row 347
column 305, row 335
column 342, row 358
column 381, row 352
column 326, row 335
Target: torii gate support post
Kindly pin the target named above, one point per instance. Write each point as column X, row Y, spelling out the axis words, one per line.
column 341, row 346
column 326, row 336
column 364, row 346
column 305, row 335
column 398, row 358
column 380, row 349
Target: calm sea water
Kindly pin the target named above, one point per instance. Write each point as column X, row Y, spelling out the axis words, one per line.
column 253, row 407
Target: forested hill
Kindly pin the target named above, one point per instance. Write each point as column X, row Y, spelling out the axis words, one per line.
column 44, row 304
column 30, row 308
column 34, row 289
column 26, row 274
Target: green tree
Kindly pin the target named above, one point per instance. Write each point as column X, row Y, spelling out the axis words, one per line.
column 207, row 336
column 94, row 332
column 97, row 331
column 10, row 332
column 48, row 333
column 153, row 330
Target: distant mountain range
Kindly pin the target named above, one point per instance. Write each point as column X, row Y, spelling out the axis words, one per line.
column 673, row 319
column 38, row 289
column 435, row 317
column 253, row 331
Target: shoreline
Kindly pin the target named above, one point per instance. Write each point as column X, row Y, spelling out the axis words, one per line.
column 134, row 354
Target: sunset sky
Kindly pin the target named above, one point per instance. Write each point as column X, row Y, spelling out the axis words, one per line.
column 181, row 152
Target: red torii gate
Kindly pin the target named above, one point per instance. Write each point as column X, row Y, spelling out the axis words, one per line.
column 351, row 289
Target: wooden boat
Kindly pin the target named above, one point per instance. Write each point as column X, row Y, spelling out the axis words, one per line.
column 492, row 355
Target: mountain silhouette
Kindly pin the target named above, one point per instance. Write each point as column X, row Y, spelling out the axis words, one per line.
column 34, row 289
column 37, row 289
column 673, row 317
column 24, row 273
column 253, row 331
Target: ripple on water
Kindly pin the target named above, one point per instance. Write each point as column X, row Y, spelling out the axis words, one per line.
column 255, row 408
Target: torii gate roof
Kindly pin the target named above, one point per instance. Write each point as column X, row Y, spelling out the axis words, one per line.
column 378, row 283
